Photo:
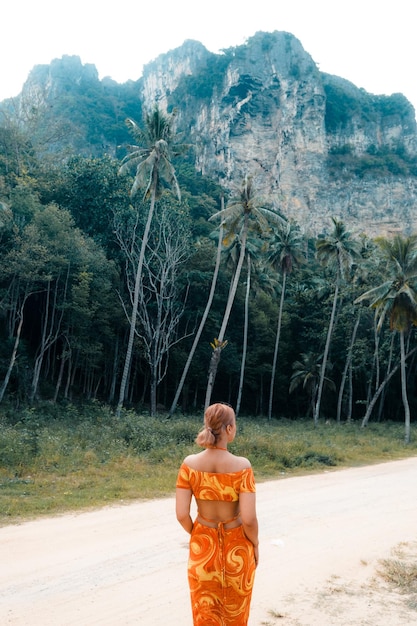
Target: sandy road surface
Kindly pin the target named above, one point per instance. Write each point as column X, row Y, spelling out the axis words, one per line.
column 321, row 539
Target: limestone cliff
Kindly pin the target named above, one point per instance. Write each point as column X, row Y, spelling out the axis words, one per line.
column 316, row 145
column 265, row 109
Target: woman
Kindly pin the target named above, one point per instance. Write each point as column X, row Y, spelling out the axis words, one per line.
column 224, row 535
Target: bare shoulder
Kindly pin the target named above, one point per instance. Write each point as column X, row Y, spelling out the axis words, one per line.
column 193, row 460
column 206, row 461
column 242, row 462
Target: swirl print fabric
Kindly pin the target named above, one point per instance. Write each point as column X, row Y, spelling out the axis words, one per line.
column 221, row 572
column 221, row 566
column 212, row 486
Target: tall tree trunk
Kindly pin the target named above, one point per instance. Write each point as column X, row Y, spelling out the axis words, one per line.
column 114, row 372
column 326, row 353
column 203, row 319
column 377, row 368
column 245, row 339
column 14, row 352
column 51, row 325
column 215, row 358
column 381, row 388
column 350, row 396
column 154, row 382
column 277, row 338
column 214, row 363
column 69, row 375
column 133, row 318
column 375, row 365
column 65, row 354
column 404, row 390
column 42, row 348
column 382, row 401
column 346, row 368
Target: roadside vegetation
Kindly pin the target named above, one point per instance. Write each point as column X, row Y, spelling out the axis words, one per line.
column 400, row 571
column 56, row 459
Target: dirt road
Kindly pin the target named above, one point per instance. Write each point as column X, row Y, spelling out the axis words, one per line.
column 321, row 536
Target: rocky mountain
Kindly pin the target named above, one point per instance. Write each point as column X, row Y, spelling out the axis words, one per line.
column 67, row 109
column 316, row 145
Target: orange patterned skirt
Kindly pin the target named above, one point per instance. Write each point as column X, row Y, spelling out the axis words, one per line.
column 221, row 572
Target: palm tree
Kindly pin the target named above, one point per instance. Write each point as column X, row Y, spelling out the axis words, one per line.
column 284, row 254
column 337, row 252
column 306, row 372
column 252, row 253
column 397, row 298
column 203, row 319
column 151, row 159
column 382, row 387
column 241, row 213
column 346, row 369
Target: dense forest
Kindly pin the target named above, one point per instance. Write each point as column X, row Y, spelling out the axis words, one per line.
column 140, row 283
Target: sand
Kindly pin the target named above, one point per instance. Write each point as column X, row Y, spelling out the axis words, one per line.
column 322, row 540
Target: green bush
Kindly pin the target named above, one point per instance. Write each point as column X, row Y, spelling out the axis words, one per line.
column 17, row 449
column 78, row 457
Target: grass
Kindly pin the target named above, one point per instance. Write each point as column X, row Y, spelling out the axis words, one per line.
column 400, row 572
column 401, row 575
column 58, row 459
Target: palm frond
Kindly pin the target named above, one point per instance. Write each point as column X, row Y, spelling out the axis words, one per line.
column 375, row 294
column 396, row 297
column 150, row 158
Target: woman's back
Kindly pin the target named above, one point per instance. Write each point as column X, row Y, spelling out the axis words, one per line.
column 221, row 469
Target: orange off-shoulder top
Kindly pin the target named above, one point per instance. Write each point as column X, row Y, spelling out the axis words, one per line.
column 214, row 486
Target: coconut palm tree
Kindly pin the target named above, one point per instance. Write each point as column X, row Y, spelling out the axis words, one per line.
column 347, row 368
column 306, row 372
column 285, row 252
column 336, row 252
column 397, row 298
column 151, row 160
column 240, row 214
column 253, row 248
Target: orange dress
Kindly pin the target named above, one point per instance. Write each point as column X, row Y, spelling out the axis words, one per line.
column 221, row 565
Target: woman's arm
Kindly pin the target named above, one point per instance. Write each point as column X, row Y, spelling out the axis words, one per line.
column 247, row 502
column 182, row 508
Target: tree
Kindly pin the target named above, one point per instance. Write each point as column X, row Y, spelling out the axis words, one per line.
column 307, row 373
column 23, row 271
column 241, row 213
column 336, row 252
column 382, row 388
column 346, row 369
column 245, row 333
column 203, row 319
column 252, row 253
column 12, row 361
column 17, row 155
column 397, row 298
column 91, row 321
column 283, row 255
column 151, row 158
column 160, row 304
column 92, row 190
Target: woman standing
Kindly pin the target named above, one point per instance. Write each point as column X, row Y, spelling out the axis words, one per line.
column 224, row 536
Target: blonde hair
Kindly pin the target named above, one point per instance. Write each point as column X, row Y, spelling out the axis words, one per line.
column 216, row 417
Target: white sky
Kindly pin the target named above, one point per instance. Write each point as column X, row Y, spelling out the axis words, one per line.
column 372, row 43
